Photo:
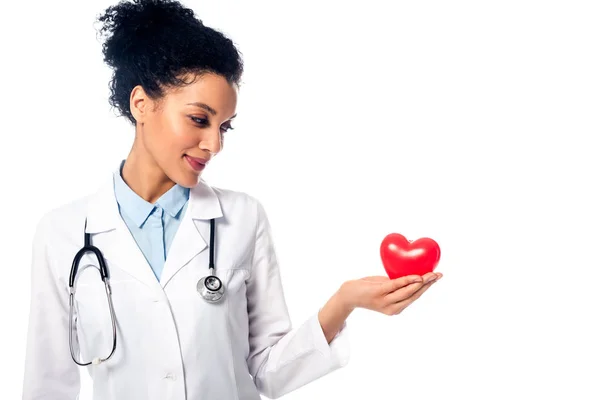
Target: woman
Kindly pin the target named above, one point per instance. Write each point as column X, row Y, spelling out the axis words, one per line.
column 177, row 81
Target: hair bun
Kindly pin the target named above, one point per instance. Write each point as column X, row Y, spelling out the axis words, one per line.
column 131, row 27
column 157, row 44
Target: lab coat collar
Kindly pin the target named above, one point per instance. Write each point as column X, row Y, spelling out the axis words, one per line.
column 103, row 212
column 138, row 209
column 119, row 247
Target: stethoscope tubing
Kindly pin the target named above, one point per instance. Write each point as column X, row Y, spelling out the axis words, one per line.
column 210, row 295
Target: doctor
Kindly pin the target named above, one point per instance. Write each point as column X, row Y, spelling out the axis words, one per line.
column 176, row 80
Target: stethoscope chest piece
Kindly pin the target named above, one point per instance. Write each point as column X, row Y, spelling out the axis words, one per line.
column 211, row 288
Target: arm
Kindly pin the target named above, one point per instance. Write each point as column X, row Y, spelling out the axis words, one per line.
column 333, row 315
column 282, row 359
column 50, row 374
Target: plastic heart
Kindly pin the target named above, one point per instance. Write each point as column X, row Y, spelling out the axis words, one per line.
column 402, row 257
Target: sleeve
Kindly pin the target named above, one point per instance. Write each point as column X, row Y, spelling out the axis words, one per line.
column 50, row 373
column 282, row 359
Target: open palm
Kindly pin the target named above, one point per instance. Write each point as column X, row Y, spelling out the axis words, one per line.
column 388, row 296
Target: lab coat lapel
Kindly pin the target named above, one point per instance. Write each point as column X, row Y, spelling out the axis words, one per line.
column 111, row 235
column 193, row 235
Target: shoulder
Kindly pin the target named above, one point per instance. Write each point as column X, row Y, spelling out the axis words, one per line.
column 238, row 201
column 57, row 222
column 58, row 235
column 232, row 197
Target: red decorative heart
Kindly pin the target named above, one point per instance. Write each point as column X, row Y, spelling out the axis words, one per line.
column 401, row 257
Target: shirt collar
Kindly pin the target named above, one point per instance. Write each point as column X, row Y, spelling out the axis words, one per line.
column 139, row 209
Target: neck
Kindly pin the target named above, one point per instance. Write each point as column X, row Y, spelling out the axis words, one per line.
column 144, row 176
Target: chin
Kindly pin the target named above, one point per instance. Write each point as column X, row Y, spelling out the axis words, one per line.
column 189, row 181
column 187, row 177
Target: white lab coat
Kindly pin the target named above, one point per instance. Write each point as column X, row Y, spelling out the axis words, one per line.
column 171, row 344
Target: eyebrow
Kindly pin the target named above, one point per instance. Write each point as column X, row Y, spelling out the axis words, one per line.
column 207, row 108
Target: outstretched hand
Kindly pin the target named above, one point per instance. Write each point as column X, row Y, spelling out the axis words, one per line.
column 377, row 293
column 385, row 295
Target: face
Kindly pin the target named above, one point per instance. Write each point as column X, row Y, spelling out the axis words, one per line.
column 187, row 123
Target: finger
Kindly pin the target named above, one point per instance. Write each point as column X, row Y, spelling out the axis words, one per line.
column 377, row 278
column 420, row 292
column 402, row 294
column 395, row 284
column 396, row 308
column 428, row 276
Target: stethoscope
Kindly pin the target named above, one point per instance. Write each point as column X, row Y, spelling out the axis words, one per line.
column 209, row 287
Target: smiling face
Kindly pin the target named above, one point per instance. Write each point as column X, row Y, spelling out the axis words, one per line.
column 188, row 122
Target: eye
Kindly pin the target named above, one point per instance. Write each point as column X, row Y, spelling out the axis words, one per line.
column 200, row 121
column 227, row 128
column 203, row 123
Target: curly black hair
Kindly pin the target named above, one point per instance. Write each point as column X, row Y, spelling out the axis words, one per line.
column 153, row 43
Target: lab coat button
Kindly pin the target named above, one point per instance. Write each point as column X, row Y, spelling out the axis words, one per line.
column 171, row 377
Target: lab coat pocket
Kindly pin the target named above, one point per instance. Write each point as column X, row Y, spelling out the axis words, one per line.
column 234, row 279
column 234, row 282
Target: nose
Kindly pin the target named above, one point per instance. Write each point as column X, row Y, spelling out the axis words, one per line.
column 212, row 141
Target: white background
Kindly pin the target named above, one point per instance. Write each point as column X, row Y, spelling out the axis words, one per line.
column 475, row 123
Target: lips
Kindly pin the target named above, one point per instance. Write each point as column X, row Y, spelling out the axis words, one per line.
column 198, row 160
column 196, row 163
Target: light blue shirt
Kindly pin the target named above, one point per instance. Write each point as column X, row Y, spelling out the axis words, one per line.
column 153, row 226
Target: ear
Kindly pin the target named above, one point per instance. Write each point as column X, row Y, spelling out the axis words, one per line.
column 139, row 104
